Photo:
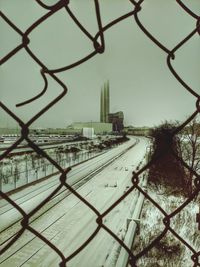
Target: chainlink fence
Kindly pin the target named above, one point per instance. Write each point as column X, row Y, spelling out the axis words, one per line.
column 20, row 171
column 99, row 47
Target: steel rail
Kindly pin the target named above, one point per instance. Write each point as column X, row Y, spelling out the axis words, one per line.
column 75, row 185
column 133, row 226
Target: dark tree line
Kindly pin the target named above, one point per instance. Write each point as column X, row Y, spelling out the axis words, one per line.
column 168, row 169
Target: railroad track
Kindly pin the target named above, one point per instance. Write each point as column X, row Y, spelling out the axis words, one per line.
column 44, row 187
column 9, row 232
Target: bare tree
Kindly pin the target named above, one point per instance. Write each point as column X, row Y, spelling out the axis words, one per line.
column 190, row 146
column 166, row 169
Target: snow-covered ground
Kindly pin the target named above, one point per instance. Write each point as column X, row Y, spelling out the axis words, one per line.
column 31, row 196
column 20, row 170
column 169, row 252
column 70, row 223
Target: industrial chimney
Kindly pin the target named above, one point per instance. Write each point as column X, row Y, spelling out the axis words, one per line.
column 105, row 102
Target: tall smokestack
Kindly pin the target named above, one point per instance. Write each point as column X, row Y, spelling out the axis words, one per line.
column 105, row 102
column 102, row 105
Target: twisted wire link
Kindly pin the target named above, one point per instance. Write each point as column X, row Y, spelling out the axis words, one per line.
column 99, row 47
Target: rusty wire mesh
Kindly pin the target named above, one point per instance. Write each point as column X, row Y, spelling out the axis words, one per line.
column 99, row 47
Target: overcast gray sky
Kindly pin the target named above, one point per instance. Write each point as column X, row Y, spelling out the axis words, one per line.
column 141, row 84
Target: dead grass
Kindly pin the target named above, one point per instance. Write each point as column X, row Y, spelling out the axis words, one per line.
column 169, row 252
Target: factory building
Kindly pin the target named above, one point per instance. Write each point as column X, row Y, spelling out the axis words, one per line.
column 109, row 122
column 99, row 127
column 117, row 120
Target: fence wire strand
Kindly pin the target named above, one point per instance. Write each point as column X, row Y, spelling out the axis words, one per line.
column 99, row 45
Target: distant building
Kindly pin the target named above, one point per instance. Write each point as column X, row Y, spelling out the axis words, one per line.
column 58, row 131
column 37, row 131
column 99, row 127
column 140, row 131
column 117, row 120
column 105, row 102
column 88, row 132
column 10, row 131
